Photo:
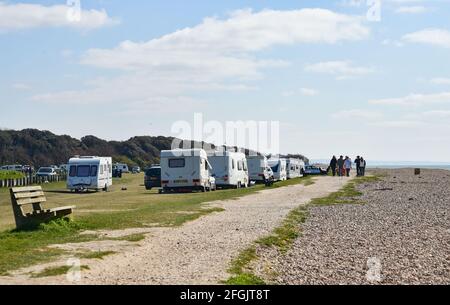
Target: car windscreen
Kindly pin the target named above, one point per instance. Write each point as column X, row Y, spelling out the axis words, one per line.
column 275, row 168
column 153, row 172
column 45, row 170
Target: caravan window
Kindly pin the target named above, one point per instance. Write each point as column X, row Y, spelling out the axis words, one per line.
column 94, row 170
column 177, row 163
column 239, row 165
column 245, row 166
column 83, row 171
column 73, row 171
column 232, row 164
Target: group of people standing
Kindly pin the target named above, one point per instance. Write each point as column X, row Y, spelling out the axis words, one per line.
column 343, row 166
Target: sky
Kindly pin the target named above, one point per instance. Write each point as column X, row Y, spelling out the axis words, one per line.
column 351, row 77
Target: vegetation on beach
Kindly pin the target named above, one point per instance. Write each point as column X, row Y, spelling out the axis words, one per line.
column 284, row 236
column 114, row 210
column 54, row 271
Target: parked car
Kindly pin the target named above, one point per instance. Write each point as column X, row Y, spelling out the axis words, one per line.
column 122, row 167
column 16, row 167
column 46, row 172
column 135, row 169
column 311, row 170
column 152, row 177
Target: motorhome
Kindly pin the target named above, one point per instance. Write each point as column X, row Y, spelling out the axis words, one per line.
column 186, row 169
column 89, row 173
column 229, row 169
column 295, row 168
column 279, row 169
column 258, row 169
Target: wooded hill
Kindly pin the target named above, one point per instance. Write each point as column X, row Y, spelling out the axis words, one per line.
column 43, row 148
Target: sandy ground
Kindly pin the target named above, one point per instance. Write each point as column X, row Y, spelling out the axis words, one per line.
column 198, row 252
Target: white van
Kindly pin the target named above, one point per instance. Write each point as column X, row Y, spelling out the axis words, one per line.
column 279, row 169
column 122, row 167
column 89, row 173
column 186, row 169
column 295, row 168
column 257, row 168
column 229, row 169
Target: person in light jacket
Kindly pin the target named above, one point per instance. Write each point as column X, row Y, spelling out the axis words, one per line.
column 348, row 166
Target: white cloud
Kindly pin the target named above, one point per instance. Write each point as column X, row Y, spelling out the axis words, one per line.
column 214, row 55
column 437, row 114
column 399, row 124
column 225, row 45
column 357, row 114
column 414, row 100
column 25, row 16
column 418, row 9
column 308, row 92
column 301, row 91
column 440, row 81
column 341, row 69
column 437, row 37
column 21, row 86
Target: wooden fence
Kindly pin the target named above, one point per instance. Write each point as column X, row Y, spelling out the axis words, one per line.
column 31, row 180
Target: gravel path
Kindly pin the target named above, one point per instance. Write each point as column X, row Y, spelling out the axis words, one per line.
column 401, row 236
column 200, row 251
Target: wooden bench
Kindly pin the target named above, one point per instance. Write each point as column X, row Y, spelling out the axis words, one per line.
column 34, row 195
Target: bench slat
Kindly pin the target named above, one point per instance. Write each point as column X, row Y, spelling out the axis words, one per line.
column 63, row 209
column 25, row 201
column 29, row 195
column 26, row 189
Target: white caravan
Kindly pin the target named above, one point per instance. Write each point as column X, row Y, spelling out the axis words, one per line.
column 229, row 169
column 186, row 169
column 122, row 167
column 279, row 169
column 89, row 173
column 257, row 168
column 295, row 168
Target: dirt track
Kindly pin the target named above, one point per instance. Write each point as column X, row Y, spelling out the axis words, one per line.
column 200, row 251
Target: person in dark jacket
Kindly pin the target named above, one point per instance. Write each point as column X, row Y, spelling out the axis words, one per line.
column 358, row 168
column 340, row 164
column 333, row 165
column 362, row 167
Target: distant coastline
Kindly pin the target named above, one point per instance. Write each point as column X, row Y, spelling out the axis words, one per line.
column 397, row 165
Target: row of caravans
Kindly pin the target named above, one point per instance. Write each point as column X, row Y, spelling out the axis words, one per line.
column 196, row 169
column 189, row 169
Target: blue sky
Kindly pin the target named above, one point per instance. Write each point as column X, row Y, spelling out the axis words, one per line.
column 337, row 82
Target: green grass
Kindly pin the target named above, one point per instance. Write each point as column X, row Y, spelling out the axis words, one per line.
column 11, row 175
column 22, row 249
column 96, row 255
column 284, row 236
column 132, row 238
column 55, row 271
column 347, row 195
column 117, row 209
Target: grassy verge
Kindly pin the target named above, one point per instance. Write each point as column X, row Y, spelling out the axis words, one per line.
column 134, row 208
column 96, row 255
column 55, row 271
column 284, row 236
